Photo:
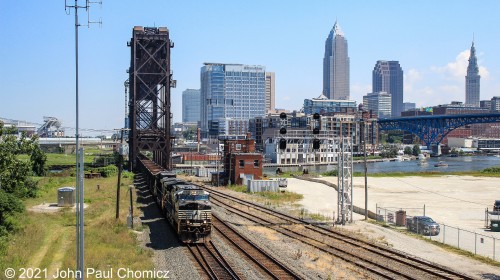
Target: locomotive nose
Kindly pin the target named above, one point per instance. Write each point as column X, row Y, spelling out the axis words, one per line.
column 196, row 215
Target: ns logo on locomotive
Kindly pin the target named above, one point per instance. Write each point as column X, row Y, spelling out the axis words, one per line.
column 186, row 206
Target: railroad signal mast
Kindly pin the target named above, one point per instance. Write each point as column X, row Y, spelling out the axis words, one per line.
column 344, row 179
column 283, row 124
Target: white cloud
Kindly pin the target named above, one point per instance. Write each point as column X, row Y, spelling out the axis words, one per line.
column 422, row 97
column 411, row 77
column 456, row 70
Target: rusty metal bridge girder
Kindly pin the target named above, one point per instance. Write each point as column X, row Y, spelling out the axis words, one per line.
column 149, row 100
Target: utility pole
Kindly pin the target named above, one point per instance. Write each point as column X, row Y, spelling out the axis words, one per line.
column 131, row 208
column 365, row 167
column 79, row 152
column 120, row 168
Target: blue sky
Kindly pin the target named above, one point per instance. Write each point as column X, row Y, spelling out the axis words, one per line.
column 431, row 39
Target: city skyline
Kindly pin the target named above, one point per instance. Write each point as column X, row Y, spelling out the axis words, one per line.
column 38, row 79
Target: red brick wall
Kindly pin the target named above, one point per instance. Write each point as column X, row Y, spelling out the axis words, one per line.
column 248, row 167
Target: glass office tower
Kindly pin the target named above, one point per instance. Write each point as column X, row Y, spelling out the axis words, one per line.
column 388, row 77
column 191, row 106
column 231, row 93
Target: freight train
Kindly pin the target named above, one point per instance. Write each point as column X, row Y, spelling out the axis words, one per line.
column 186, row 206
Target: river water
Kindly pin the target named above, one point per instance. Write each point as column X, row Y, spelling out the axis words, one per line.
column 465, row 163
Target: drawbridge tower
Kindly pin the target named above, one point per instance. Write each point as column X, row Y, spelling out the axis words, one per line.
column 150, row 80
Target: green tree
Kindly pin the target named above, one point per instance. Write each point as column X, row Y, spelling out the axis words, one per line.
column 389, row 152
column 416, row 150
column 16, row 174
column 407, row 150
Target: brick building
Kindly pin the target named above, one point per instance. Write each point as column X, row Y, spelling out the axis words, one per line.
column 241, row 162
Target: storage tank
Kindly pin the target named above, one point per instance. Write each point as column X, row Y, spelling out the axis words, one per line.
column 66, row 197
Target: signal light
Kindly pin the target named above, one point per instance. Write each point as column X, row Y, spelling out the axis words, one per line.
column 283, row 130
column 282, row 144
column 316, row 144
column 283, row 116
column 316, row 130
column 316, row 116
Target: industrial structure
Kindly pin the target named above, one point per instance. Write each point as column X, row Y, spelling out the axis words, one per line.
column 50, row 128
column 150, row 80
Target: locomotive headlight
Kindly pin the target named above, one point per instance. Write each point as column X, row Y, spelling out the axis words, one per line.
column 204, row 221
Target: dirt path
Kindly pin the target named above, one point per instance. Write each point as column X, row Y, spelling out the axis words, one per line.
column 58, row 257
column 37, row 258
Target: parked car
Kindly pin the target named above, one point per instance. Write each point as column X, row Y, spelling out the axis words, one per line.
column 422, row 225
column 496, row 206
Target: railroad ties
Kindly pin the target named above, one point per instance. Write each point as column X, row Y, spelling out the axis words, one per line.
column 268, row 265
column 211, row 261
column 380, row 260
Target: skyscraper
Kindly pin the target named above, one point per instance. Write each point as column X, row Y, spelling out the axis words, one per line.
column 336, row 66
column 388, row 77
column 472, row 80
column 378, row 104
column 231, row 94
column 270, row 92
column 191, row 105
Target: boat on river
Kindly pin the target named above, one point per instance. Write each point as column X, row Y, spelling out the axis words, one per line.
column 441, row 164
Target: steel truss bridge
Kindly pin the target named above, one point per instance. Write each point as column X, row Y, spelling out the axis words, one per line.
column 150, row 80
column 432, row 129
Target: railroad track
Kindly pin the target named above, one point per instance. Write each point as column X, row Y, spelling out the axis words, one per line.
column 270, row 266
column 211, row 261
column 382, row 261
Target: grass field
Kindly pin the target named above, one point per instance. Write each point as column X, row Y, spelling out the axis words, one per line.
column 61, row 159
column 47, row 241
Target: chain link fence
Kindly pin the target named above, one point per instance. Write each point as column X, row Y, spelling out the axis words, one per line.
column 474, row 242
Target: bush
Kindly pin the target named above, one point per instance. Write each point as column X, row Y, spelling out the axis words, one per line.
column 491, row 170
column 334, row 172
column 108, row 171
column 9, row 205
column 127, row 174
